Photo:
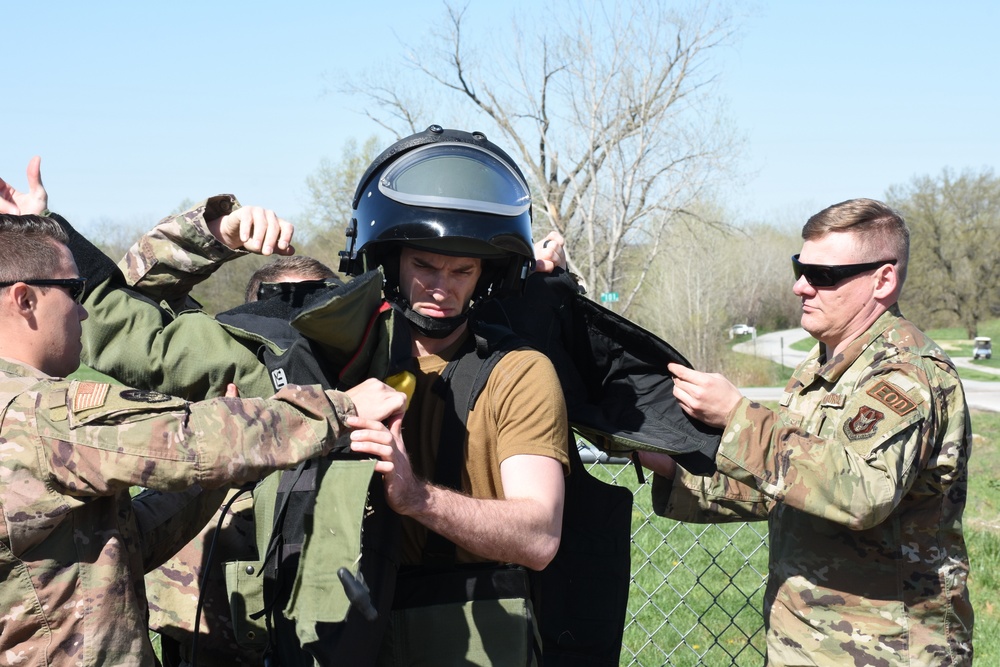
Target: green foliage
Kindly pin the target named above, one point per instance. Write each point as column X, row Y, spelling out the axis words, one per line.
column 954, row 245
column 331, row 191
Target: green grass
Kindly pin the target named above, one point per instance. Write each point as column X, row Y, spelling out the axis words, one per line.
column 804, row 345
column 696, row 596
column 984, row 550
column 953, row 341
column 979, row 376
column 989, row 328
column 982, row 522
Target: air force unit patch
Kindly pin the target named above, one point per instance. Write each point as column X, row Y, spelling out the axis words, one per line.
column 864, row 424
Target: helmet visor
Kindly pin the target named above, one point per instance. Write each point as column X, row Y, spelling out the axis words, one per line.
column 456, row 176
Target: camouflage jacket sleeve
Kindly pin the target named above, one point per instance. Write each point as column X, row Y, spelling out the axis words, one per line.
column 852, row 460
column 700, row 499
column 168, row 520
column 141, row 332
column 97, row 438
column 178, row 253
column 852, row 437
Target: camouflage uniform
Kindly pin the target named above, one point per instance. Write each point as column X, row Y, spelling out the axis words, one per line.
column 74, row 546
column 862, row 475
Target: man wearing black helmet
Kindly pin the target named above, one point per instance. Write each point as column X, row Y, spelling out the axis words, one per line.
column 478, row 480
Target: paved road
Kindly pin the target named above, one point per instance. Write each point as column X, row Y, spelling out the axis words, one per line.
column 980, row 394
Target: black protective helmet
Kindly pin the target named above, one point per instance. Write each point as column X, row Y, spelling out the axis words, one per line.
column 449, row 192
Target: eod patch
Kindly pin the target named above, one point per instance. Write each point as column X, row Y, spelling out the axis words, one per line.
column 893, row 397
column 144, row 396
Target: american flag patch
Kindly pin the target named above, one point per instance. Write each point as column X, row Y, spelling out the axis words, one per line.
column 90, row 395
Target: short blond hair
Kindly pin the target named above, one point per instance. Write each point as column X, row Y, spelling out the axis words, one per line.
column 880, row 231
column 29, row 247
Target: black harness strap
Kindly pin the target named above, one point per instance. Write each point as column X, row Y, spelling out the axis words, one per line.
column 460, row 385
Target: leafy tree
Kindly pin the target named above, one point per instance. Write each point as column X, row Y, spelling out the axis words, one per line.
column 609, row 108
column 320, row 232
column 954, row 247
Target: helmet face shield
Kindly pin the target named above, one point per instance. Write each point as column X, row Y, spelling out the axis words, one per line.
column 459, row 177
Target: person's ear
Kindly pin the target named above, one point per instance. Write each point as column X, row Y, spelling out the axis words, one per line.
column 886, row 281
column 19, row 299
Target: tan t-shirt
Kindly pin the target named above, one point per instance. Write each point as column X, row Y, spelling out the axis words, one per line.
column 520, row 411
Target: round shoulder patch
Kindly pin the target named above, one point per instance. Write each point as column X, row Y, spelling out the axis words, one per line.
column 144, row 396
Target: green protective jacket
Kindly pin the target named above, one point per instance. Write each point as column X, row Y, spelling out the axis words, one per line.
column 144, row 330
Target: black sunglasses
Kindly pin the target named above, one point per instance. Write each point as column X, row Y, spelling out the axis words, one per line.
column 821, row 275
column 75, row 286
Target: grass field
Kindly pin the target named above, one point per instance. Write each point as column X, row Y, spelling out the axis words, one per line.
column 982, row 521
column 953, row 341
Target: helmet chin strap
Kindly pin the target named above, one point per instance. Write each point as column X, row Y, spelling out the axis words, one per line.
column 431, row 327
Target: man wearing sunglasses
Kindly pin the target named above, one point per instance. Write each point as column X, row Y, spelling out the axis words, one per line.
column 861, row 472
column 73, row 544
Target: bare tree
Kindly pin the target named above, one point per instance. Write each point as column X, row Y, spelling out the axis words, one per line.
column 609, row 108
column 954, row 246
column 711, row 278
column 760, row 276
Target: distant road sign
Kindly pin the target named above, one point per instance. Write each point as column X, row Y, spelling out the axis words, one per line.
column 609, row 296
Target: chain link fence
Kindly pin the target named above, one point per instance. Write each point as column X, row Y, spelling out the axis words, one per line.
column 697, row 589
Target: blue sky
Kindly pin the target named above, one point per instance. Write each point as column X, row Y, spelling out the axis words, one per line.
column 135, row 107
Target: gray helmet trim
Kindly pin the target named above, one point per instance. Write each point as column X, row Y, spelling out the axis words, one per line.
column 477, row 171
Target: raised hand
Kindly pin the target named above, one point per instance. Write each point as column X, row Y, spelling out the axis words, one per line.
column 254, row 229
column 32, row 202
